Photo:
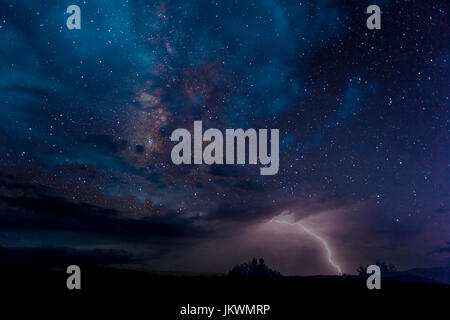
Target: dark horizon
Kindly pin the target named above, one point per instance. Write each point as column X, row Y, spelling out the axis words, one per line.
column 363, row 118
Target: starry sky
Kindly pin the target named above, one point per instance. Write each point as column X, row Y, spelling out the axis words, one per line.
column 86, row 115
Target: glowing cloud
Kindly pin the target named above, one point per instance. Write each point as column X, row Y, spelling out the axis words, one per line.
column 316, row 236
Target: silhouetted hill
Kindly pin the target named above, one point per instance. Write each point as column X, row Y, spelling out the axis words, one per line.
column 438, row 275
column 110, row 291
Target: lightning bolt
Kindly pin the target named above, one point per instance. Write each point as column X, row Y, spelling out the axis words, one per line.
column 319, row 238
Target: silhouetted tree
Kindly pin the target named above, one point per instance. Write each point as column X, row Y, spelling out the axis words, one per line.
column 253, row 268
column 384, row 268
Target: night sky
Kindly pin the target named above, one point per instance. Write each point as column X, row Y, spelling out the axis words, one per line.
column 86, row 115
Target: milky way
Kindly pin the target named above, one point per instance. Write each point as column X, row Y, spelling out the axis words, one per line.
column 363, row 116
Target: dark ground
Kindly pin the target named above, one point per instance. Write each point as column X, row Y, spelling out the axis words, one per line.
column 134, row 294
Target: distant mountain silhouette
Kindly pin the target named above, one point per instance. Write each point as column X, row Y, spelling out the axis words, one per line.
column 438, row 275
